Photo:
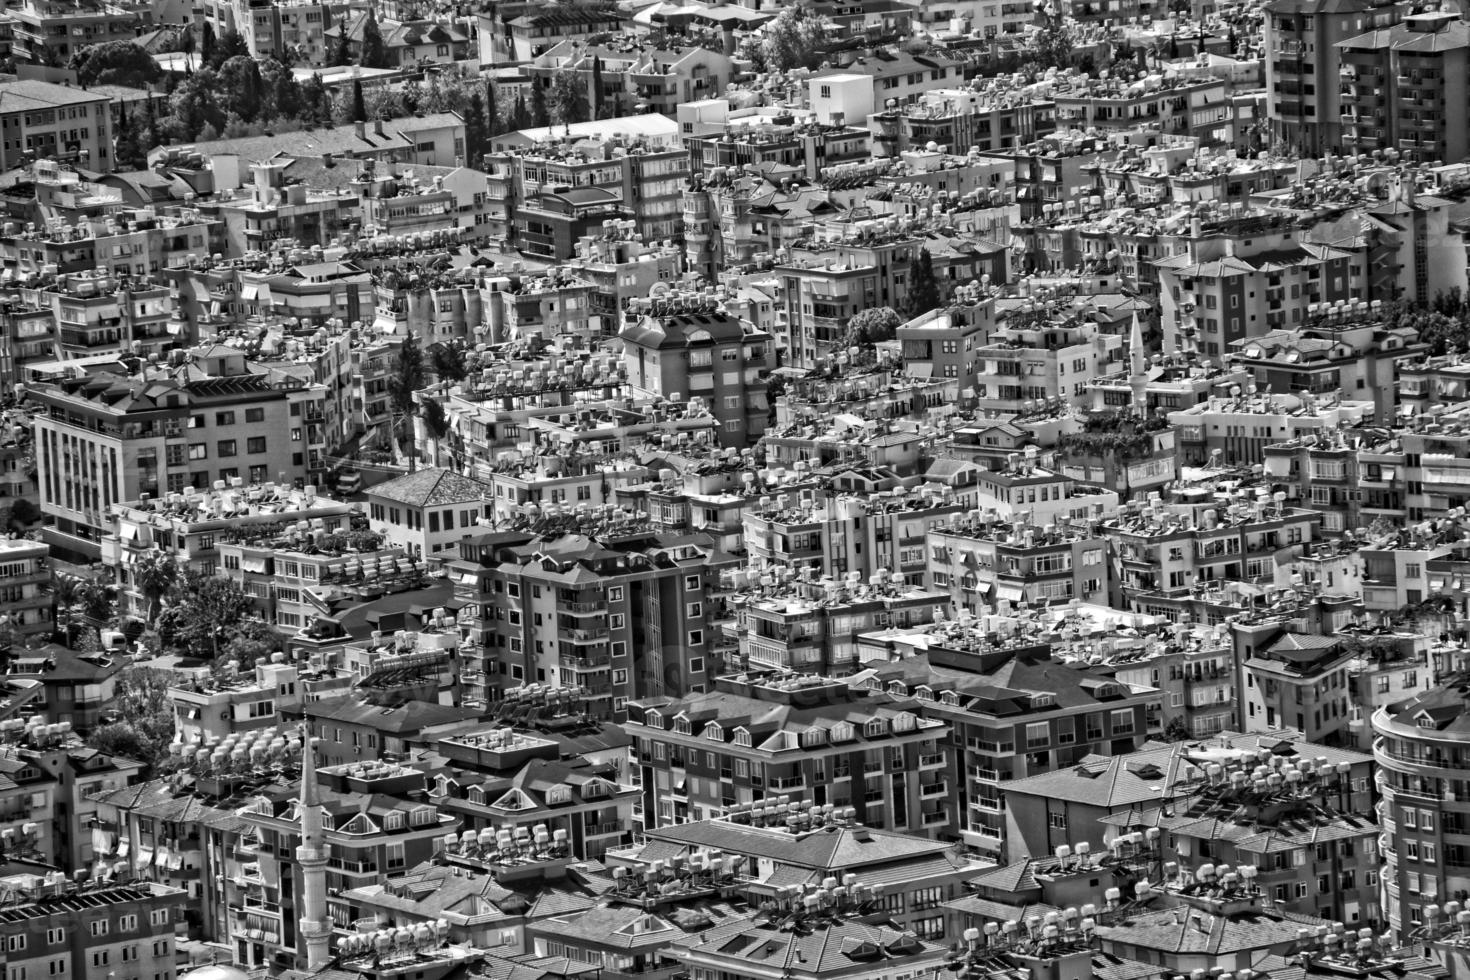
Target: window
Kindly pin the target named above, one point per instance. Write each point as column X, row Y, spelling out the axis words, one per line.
column 15, row 943
column 1122, row 721
column 692, row 583
column 696, row 638
column 226, row 447
column 99, row 927
column 255, row 444
column 224, row 418
column 198, row 450
column 1057, row 821
column 55, row 936
column 696, row 665
column 254, row 415
column 615, row 594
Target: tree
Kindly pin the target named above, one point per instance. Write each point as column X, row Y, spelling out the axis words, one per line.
column 231, row 45
column 23, row 514
column 796, row 38
column 596, row 87
column 206, row 44
column 436, row 423
column 202, row 613
column 567, row 101
column 923, row 286
column 241, row 89
column 115, row 63
column 476, row 136
column 492, row 115
column 1177, row 730
column 870, row 326
column 374, row 53
column 520, row 117
column 407, row 378
column 342, row 48
column 539, row 114
column 316, row 103
column 359, row 108
column 282, row 93
column 145, row 717
column 154, row 573
column 449, row 362
column 127, row 150
column 193, row 107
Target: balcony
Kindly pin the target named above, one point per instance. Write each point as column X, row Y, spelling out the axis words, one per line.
column 935, row 818
column 603, row 829
column 872, row 768
column 933, row 761
column 934, row 789
column 788, row 782
column 594, row 635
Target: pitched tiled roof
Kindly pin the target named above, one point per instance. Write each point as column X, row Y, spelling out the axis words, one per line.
column 1184, row 931
column 432, row 488
column 830, row 848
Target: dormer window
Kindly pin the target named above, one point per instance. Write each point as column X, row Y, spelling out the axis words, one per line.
column 681, row 725
column 813, row 737
column 875, row 728
column 924, row 693
column 841, row 732
column 423, row 816
column 394, row 820
column 897, row 689
column 950, row 698
column 653, row 719
column 742, row 737
column 476, row 795
column 904, row 722
column 714, row 731
column 558, row 794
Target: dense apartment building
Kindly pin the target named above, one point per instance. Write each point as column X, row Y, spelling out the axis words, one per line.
column 1163, row 553
column 98, row 927
column 687, row 346
column 800, row 624
column 1244, row 277
column 606, row 604
column 42, row 120
column 1422, row 750
column 192, row 526
column 1399, row 83
column 981, row 561
column 115, row 436
column 1013, row 710
column 783, row 736
column 48, row 32
column 25, row 586
column 368, row 825
column 1304, row 59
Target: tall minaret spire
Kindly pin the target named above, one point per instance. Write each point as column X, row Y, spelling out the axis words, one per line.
column 316, row 925
column 1138, row 367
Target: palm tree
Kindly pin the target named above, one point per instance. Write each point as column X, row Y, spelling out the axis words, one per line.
column 155, row 573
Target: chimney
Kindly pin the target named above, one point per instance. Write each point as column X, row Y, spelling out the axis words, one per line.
column 378, row 126
column 361, row 130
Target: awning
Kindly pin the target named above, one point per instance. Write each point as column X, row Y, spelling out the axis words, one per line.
column 253, row 564
column 250, row 290
column 1011, row 592
column 101, row 841
column 175, row 860
column 122, row 848
column 145, row 857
